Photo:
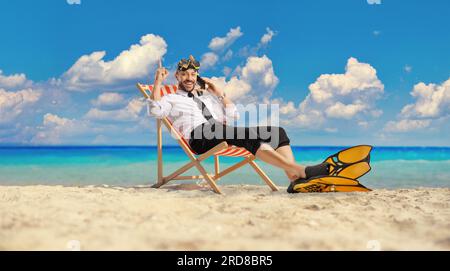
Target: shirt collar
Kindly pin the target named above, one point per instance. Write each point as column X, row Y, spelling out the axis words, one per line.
column 185, row 93
column 182, row 92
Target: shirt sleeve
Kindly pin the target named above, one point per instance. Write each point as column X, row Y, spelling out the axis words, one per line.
column 158, row 109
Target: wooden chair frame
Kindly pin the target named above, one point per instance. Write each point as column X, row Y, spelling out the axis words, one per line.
column 195, row 160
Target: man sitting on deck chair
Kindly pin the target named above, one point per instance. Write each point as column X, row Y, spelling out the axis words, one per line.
column 198, row 113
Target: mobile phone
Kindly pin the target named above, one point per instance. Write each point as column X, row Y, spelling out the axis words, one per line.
column 201, row 82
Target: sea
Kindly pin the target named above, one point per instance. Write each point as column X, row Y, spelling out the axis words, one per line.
column 128, row 166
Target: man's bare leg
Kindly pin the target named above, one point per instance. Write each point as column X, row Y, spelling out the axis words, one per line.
column 270, row 156
column 286, row 152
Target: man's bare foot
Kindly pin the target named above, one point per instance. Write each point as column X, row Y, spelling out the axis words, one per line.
column 291, row 176
column 297, row 171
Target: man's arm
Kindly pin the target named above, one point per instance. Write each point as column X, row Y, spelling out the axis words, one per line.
column 230, row 107
column 160, row 75
column 156, row 106
column 159, row 109
column 226, row 101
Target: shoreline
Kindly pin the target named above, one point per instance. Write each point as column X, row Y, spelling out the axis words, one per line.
column 247, row 217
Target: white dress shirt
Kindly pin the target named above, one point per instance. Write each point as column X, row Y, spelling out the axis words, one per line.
column 185, row 114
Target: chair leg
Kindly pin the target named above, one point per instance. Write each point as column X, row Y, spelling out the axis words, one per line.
column 216, row 167
column 157, row 185
column 160, row 158
column 233, row 167
column 263, row 176
column 208, row 178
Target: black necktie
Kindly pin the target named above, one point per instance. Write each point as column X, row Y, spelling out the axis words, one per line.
column 205, row 111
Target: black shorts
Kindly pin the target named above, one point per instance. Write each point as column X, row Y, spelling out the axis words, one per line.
column 208, row 135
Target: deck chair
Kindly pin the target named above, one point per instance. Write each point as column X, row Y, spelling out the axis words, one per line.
column 223, row 149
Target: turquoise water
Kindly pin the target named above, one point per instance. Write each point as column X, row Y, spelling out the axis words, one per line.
column 392, row 167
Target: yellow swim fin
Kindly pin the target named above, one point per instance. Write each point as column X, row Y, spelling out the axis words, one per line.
column 344, row 168
column 351, row 163
column 330, row 184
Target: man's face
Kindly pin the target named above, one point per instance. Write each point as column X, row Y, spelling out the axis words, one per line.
column 187, row 78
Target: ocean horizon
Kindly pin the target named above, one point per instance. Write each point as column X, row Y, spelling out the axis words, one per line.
column 79, row 165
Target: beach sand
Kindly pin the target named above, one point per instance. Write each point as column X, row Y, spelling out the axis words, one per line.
column 186, row 217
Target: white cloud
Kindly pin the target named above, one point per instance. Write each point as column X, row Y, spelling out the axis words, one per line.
column 267, row 37
column 16, row 132
column 374, row 2
column 14, row 81
column 406, row 125
column 235, row 88
column 34, row 114
column 347, row 96
column 21, row 111
column 54, row 120
column 92, row 70
column 221, row 43
column 342, row 111
column 259, row 71
column 129, row 113
column 228, row 55
column 376, row 33
column 227, row 71
column 56, row 129
column 376, row 113
column 432, row 104
column 248, row 51
column 363, row 124
column 74, row 2
column 12, row 104
column 432, row 101
column 287, row 108
column 360, row 81
column 255, row 80
column 311, row 120
column 208, row 60
column 407, row 68
column 108, row 99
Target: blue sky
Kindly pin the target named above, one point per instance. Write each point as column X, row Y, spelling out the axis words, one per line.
column 391, row 48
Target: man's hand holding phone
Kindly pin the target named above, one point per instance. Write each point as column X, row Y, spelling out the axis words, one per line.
column 212, row 87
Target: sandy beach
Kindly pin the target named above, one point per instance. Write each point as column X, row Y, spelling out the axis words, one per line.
column 187, row 217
